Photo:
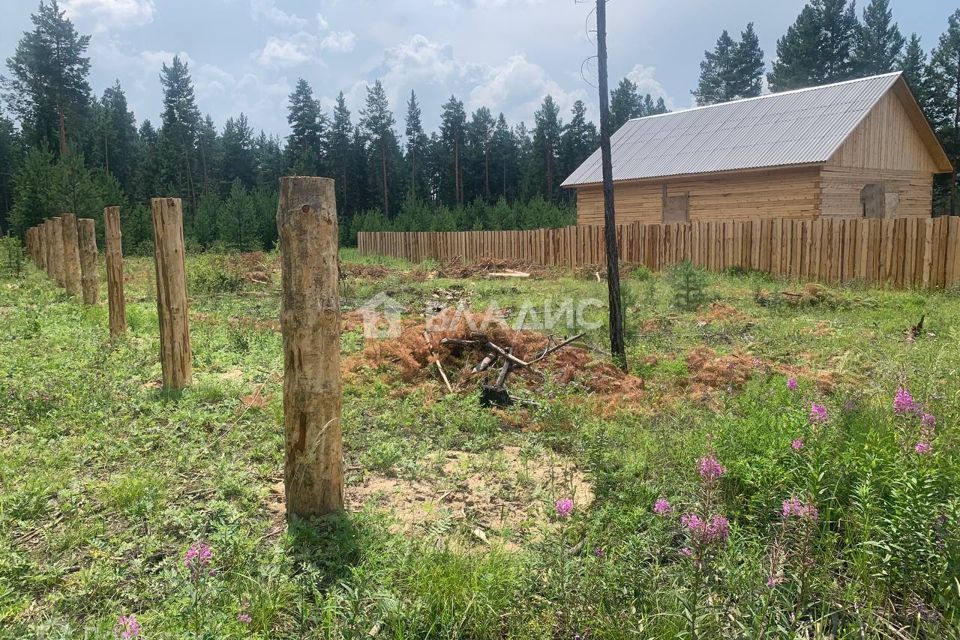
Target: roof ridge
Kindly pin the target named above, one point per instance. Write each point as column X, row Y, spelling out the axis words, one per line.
column 768, row 95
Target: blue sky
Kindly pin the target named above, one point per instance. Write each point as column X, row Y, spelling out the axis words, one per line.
column 246, row 55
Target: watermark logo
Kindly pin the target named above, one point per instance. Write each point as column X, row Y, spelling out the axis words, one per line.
column 382, row 316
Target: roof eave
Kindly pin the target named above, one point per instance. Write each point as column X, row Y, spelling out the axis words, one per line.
column 681, row 176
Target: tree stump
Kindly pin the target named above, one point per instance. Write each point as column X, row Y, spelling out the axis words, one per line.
column 176, row 358
column 310, row 322
column 89, row 274
column 56, row 250
column 114, row 254
column 71, row 254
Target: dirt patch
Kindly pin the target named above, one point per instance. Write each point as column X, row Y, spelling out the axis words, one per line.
column 412, row 355
column 486, row 266
column 504, row 495
column 720, row 312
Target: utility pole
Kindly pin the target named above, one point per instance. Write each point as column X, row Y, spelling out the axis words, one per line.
column 617, row 346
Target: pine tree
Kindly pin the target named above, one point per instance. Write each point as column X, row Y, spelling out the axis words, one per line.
column 307, row 131
column 237, row 159
column 48, row 90
column 340, row 145
column 208, row 148
column 119, row 135
column 504, row 160
column 416, row 148
column 913, row 63
column 579, row 139
column 453, row 122
column 880, row 42
column 625, row 104
column 377, row 122
column 944, row 97
column 479, row 136
column 817, row 48
column 747, row 69
column 146, row 177
column 269, row 161
column 11, row 154
column 546, row 145
column 715, row 72
column 31, row 187
column 178, row 133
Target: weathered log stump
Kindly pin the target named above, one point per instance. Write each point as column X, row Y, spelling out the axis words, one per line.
column 89, row 274
column 114, row 255
column 176, row 359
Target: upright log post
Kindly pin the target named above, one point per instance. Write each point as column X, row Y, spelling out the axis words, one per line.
column 176, row 358
column 48, row 248
column 114, row 255
column 89, row 274
column 56, row 250
column 71, row 254
column 310, row 322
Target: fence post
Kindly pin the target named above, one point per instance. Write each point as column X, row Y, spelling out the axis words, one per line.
column 57, row 250
column 71, row 254
column 114, row 256
column 176, row 358
column 310, row 322
column 89, row 274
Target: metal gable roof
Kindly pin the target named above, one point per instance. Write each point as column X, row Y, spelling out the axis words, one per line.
column 804, row 126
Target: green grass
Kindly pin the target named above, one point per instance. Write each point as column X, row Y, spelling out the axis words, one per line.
column 106, row 481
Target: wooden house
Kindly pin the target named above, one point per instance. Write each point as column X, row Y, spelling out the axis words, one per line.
column 859, row 148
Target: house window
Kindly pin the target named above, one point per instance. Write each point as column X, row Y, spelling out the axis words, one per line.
column 873, row 201
column 675, row 208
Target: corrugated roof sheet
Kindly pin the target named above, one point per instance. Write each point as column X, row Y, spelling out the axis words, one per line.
column 794, row 127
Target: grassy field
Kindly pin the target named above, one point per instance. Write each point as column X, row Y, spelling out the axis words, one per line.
column 752, row 477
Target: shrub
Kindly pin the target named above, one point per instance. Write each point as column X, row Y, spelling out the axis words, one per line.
column 12, row 257
column 213, row 274
column 688, row 283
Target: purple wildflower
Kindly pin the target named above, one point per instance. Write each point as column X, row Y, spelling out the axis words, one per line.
column 599, row 552
column 706, row 531
column 710, row 469
column 198, row 557
column 773, row 581
column 928, row 420
column 127, row 627
column 792, row 384
column 923, row 448
column 797, row 444
column 794, row 508
column 244, row 618
column 818, row 413
column 687, row 551
column 564, row 507
column 903, row 402
column 661, row 507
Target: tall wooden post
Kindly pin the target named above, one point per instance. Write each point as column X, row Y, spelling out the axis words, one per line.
column 310, row 322
column 48, row 248
column 114, row 254
column 175, row 355
column 71, row 254
column 56, row 250
column 89, row 274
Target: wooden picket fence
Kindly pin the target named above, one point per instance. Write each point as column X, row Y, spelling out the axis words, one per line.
column 899, row 252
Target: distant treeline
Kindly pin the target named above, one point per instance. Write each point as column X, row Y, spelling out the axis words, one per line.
column 68, row 150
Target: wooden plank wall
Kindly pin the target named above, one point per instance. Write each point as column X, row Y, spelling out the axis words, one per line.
column 899, row 252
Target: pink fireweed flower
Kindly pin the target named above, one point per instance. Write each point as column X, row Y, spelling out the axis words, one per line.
column 197, row 558
column 794, row 508
column 127, row 627
column 928, row 420
column 923, row 448
column 709, row 469
column 792, row 384
column 773, row 581
column 564, row 507
column 706, row 531
column 797, row 444
column 661, row 507
column 818, row 413
column 244, row 618
column 903, row 402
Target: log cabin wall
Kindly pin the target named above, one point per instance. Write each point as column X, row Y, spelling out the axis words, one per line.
column 887, row 148
column 744, row 195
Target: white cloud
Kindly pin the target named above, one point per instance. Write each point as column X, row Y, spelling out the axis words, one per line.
column 288, row 52
column 340, row 41
column 154, row 60
column 644, row 78
column 111, row 14
column 267, row 10
column 522, row 85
